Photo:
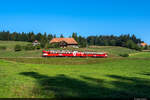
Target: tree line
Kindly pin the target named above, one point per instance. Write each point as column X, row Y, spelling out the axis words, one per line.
column 126, row 40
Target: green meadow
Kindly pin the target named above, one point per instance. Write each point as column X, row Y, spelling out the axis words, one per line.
column 26, row 74
column 113, row 51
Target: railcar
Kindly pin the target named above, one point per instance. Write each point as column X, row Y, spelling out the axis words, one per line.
column 67, row 53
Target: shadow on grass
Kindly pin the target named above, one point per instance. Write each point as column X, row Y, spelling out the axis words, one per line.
column 132, row 86
column 67, row 87
column 145, row 73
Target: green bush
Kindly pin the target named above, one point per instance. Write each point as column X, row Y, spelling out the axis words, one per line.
column 138, row 48
column 18, row 47
column 29, row 47
column 124, row 55
column 54, row 45
column 146, row 47
column 3, row 47
column 47, row 46
column 42, row 44
column 38, row 47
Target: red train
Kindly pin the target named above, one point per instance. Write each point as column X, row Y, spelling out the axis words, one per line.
column 66, row 53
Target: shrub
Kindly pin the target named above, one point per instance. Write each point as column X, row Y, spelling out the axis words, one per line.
column 38, row 47
column 42, row 44
column 146, row 47
column 124, row 55
column 138, row 48
column 29, row 47
column 54, row 45
column 47, row 46
column 3, row 47
column 18, row 48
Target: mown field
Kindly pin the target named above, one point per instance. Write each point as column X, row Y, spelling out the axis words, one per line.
column 29, row 76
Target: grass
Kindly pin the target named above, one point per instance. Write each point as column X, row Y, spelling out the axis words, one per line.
column 25, row 74
column 11, row 44
column 13, row 54
column 106, row 78
column 112, row 51
column 140, row 55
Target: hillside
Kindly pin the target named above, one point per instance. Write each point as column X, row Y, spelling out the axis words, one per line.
column 10, row 44
column 113, row 51
column 25, row 74
column 140, row 55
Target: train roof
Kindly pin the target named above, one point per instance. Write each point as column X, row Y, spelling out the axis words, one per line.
column 65, row 51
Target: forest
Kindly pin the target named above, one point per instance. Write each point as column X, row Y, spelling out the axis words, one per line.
column 125, row 40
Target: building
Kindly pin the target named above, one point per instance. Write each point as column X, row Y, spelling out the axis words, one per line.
column 142, row 44
column 35, row 43
column 65, row 42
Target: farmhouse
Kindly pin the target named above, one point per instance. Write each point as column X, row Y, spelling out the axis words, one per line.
column 35, row 43
column 65, row 42
column 142, row 44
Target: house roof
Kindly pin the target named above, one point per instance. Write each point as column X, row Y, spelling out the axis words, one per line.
column 67, row 40
column 36, row 41
column 143, row 44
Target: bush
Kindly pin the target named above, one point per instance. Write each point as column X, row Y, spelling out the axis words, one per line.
column 29, row 47
column 38, row 47
column 47, row 46
column 138, row 48
column 54, row 45
column 18, row 48
column 3, row 47
column 42, row 44
column 124, row 55
column 146, row 47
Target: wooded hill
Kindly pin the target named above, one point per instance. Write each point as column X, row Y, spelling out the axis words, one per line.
column 129, row 41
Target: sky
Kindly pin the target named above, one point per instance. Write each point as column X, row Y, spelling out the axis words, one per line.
column 86, row 17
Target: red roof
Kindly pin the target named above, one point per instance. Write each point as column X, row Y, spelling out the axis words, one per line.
column 67, row 40
column 143, row 44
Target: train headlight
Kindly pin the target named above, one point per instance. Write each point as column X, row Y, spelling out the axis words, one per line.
column 45, row 54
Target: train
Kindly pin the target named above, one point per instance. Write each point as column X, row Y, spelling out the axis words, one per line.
column 67, row 53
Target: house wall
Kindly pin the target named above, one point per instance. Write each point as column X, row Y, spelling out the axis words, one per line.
column 72, row 45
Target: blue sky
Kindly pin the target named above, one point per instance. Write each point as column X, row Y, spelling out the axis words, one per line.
column 86, row 17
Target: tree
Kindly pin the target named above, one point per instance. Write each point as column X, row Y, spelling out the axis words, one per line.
column 54, row 45
column 38, row 36
column 61, row 36
column 54, row 36
column 146, row 47
column 74, row 35
column 130, row 44
column 50, row 37
column 82, row 41
column 101, row 40
column 112, row 43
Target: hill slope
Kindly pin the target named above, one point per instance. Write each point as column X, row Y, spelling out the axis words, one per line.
column 10, row 44
column 113, row 51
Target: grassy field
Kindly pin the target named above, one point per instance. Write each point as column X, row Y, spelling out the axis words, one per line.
column 140, row 55
column 83, row 78
column 11, row 44
column 25, row 74
column 112, row 51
